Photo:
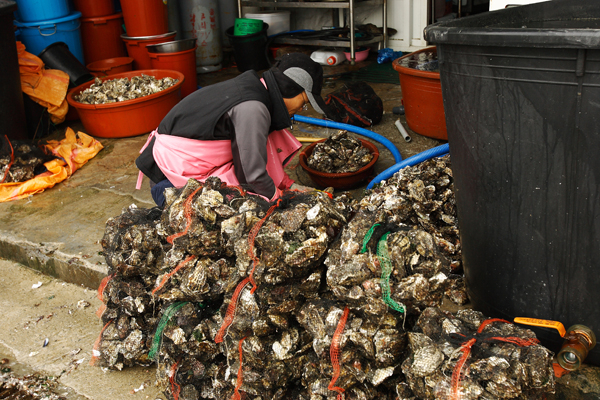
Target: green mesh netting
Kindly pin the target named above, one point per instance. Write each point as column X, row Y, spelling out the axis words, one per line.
column 386, row 267
column 169, row 312
column 386, row 271
column 367, row 238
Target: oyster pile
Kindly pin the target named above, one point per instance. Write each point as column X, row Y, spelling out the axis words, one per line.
column 401, row 249
column 340, row 153
column 468, row 356
column 20, row 161
column 122, row 89
column 308, row 298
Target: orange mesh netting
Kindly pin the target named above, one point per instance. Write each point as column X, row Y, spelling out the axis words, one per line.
column 102, row 286
column 231, row 310
column 227, row 321
column 466, row 347
column 175, row 387
column 12, row 159
column 100, row 310
column 96, row 348
column 168, row 276
column 187, row 207
column 334, row 353
column 240, row 379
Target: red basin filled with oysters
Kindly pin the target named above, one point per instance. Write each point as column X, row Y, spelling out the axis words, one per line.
column 347, row 180
column 130, row 117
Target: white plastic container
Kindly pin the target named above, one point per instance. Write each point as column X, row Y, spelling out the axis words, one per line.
column 279, row 21
column 328, row 56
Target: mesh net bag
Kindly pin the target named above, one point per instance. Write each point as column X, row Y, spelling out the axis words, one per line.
column 469, row 356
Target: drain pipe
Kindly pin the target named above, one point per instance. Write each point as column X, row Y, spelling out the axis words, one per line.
column 409, row 162
column 361, row 131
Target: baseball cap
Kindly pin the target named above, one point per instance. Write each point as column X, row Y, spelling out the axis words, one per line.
column 297, row 72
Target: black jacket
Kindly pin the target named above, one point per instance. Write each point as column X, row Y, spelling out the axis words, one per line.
column 203, row 115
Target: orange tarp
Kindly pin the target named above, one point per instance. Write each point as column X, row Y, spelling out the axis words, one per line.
column 74, row 150
column 47, row 87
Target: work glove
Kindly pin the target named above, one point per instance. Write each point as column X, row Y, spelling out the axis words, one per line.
column 301, row 188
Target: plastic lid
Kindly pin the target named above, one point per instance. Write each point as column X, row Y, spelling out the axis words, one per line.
column 552, row 24
column 68, row 18
column 7, row 7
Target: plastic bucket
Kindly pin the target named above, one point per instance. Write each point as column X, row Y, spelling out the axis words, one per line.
column 94, row 8
column 521, row 89
column 58, row 56
column 136, row 48
column 101, row 37
column 279, row 21
column 36, row 36
column 422, row 98
column 110, row 66
column 145, row 17
column 249, row 50
column 246, row 26
column 42, row 10
column 182, row 61
column 131, row 117
column 12, row 111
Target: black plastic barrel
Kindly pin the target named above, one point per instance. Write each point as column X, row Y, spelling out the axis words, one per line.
column 12, row 112
column 521, row 89
column 249, row 51
column 58, row 56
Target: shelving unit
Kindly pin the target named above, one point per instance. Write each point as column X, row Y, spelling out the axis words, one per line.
column 341, row 5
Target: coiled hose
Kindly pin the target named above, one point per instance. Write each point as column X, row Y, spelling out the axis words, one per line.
column 409, row 162
column 361, row 131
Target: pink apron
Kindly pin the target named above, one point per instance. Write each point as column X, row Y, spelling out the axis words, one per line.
column 181, row 158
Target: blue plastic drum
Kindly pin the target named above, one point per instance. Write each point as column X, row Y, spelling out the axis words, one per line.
column 36, row 36
column 42, row 10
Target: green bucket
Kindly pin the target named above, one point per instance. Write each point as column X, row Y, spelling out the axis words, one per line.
column 247, row 26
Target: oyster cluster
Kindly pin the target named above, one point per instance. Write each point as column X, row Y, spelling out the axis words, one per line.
column 467, row 356
column 312, row 297
column 20, row 161
column 123, row 89
column 402, row 248
column 340, row 153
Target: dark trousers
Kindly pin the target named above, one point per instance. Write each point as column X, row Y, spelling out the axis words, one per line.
column 158, row 191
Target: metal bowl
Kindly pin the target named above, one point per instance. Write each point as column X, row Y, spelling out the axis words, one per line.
column 172, row 47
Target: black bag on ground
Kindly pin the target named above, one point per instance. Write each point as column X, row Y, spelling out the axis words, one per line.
column 356, row 104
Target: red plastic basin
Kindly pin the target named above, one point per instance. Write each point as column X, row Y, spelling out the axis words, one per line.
column 131, row 117
column 346, row 180
column 422, row 99
column 111, row 66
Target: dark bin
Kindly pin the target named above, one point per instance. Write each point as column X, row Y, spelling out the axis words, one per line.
column 249, row 51
column 12, row 112
column 58, row 56
column 521, row 89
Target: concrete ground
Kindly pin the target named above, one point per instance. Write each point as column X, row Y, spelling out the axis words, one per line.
column 53, row 238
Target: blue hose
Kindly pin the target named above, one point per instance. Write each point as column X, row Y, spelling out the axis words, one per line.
column 361, row 131
column 409, row 162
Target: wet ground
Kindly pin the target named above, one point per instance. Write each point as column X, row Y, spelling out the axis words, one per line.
column 57, row 232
